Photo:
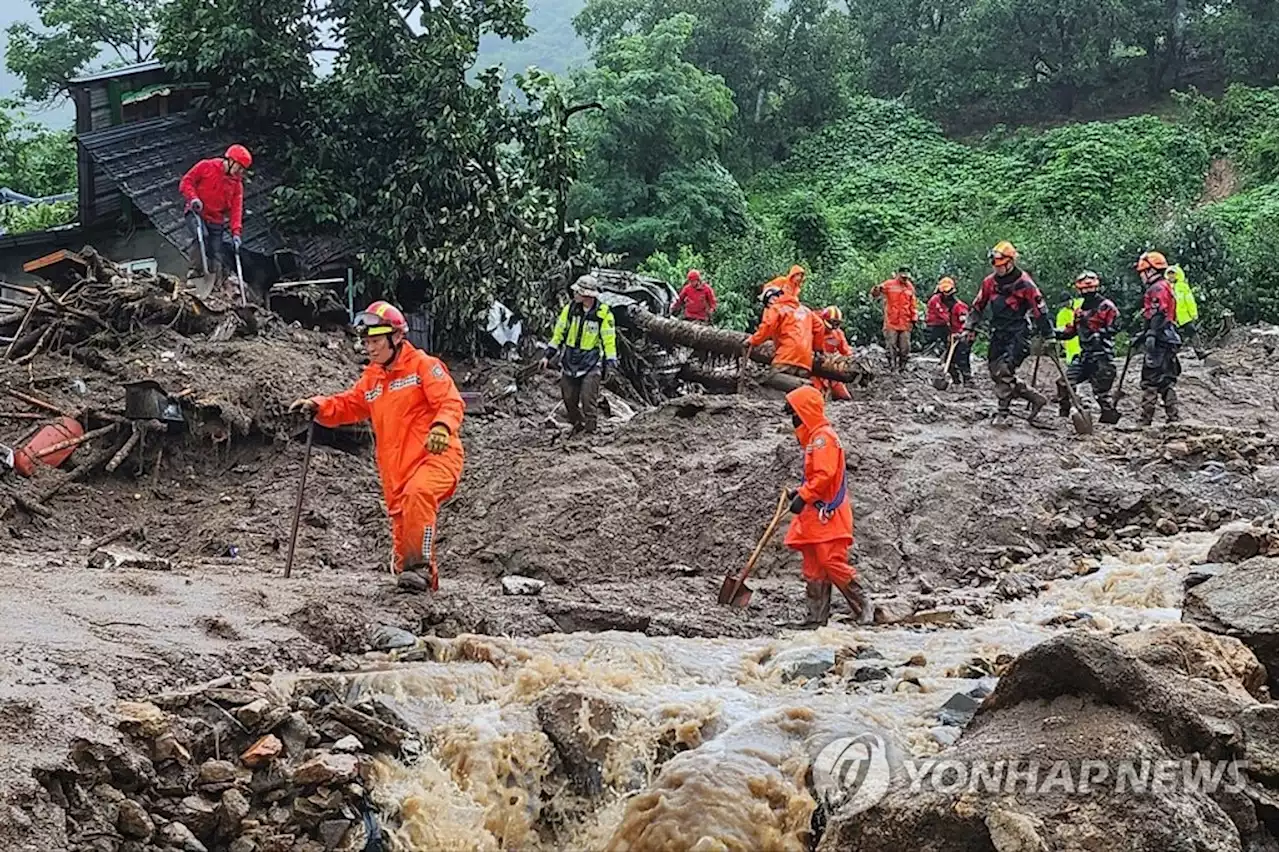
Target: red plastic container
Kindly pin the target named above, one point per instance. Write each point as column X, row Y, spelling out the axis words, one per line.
column 24, row 460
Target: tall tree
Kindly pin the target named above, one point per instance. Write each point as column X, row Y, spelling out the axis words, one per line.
column 73, row 34
column 653, row 178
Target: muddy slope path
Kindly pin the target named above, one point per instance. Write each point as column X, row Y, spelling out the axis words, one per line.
column 632, row 531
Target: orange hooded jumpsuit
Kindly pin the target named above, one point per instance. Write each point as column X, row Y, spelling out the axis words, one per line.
column 834, row 343
column 823, row 530
column 403, row 401
column 794, row 328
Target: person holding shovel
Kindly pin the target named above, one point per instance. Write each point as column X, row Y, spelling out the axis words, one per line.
column 822, row 529
column 1014, row 299
column 214, row 194
column 416, row 412
column 1094, row 326
column 1159, row 339
column 956, row 312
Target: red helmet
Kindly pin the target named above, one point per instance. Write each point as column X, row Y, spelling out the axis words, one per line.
column 380, row 318
column 239, row 154
column 693, row 277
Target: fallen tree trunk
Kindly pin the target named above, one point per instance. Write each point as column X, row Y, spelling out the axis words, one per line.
column 723, row 341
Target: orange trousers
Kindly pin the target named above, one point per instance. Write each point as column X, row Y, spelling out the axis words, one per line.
column 413, row 518
column 827, row 561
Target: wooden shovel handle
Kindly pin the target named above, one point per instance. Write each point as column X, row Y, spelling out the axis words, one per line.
column 768, row 534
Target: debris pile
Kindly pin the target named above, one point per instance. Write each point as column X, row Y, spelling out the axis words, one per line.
column 232, row 764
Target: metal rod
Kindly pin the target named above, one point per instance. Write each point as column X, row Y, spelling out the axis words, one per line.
column 297, row 506
column 289, row 285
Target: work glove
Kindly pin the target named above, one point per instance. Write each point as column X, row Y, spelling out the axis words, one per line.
column 797, row 502
column 235, row 243
column 438, row 439
column 1037, row 346
column 196, row 205
column 305, row 407
column 1137, row 339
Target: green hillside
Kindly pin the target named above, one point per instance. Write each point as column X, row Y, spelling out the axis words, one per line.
column 554, row 46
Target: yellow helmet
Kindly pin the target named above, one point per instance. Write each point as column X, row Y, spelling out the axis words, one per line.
column 946, row 284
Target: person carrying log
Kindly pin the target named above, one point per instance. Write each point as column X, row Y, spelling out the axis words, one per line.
column 214, row 193
column 1015, row 302
column 833, row 343
column 822, row 529
column 790, row 325
column 586, row 342
column 416, row 413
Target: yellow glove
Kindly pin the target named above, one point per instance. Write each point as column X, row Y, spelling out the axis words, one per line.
column 438, row 438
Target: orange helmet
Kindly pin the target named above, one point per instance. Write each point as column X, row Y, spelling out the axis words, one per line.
column 239, row 154
column 946, row 284
column 1151, row 260
column 1003, row 255
column 380, row 318
column 1088, row 282
column 832, row 315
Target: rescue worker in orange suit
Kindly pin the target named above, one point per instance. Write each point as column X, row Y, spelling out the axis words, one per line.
column 697, row 300
column 1094, row 324
column 833, row 343
column 957, row 312
column 416, row 412
column 1015, row 302
column 822, row 529
column 899, row 295
column 790, row 325
column 937, row 317
column 1159, row 339
column 214, row 193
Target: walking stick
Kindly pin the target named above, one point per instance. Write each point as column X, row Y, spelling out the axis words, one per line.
column 297, row 506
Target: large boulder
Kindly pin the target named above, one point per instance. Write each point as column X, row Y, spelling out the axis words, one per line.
column 1241, row 601
column 1076, row 698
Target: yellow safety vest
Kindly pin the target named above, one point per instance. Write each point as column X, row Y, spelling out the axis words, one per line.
column 592, row 331
column 1066, row 316
column 1185, row 300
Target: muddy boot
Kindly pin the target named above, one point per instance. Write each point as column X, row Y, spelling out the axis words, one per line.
column 858, row 602
column 1171, row 406
column 413, row 580
column 1002, row 415
column 817, row 599
column 1148, row 410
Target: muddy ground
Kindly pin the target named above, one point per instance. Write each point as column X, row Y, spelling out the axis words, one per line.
column 631, row 531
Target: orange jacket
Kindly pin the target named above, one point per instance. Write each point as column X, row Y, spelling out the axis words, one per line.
column 789, row 284
column 834, row 341
column 828, row 512
column 899, row 303
column 790, row 325
column 404, row 401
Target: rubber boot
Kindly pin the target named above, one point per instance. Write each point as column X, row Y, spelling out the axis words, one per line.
column 1171, row 406
column 1037, row 400
column 817, row 599
column 1064, row 401
column 859, row 605
column 413, row 580
column 1148, row 410
column 1002, row 414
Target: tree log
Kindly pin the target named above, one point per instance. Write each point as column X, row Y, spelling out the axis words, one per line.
column 723, row 341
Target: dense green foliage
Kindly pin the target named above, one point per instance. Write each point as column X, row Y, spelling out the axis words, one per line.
column 33, row 159
column 72, row 34
column 18, row 219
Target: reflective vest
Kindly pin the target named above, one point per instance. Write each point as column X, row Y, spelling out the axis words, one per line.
column 585, row 336
column 1185, row 300
column 1066, row 316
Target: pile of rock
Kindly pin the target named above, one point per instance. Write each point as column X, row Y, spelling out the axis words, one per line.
column 232, row 765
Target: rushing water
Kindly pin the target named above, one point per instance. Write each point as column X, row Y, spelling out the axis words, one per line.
column 744, row 737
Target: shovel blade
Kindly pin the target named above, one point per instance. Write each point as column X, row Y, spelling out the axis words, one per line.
column 1083, row 425
column 941, row 382
column 1111, row 417
column 733, row 593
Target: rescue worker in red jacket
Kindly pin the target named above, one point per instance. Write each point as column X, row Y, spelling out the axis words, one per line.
column 1159, row 339
column 822, row 529
column 1094, row 324
column 1015, row 302
column 697, row 300
column 416, row 412
column 790, row 325
column 937, row 317
column 833, row 343
column 214, row 193
column 957, row 312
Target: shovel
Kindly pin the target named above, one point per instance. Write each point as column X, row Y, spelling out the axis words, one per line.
column 1112, row 415
column 1080, row 418
column 734, row 591
column 943, row 379
column 240, row 279
column 1035, row 371
column 206, row 278
column 297, row 506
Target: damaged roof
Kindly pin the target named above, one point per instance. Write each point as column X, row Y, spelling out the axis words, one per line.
column 146, row 159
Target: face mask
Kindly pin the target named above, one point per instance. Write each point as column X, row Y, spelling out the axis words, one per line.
column 796, row 421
